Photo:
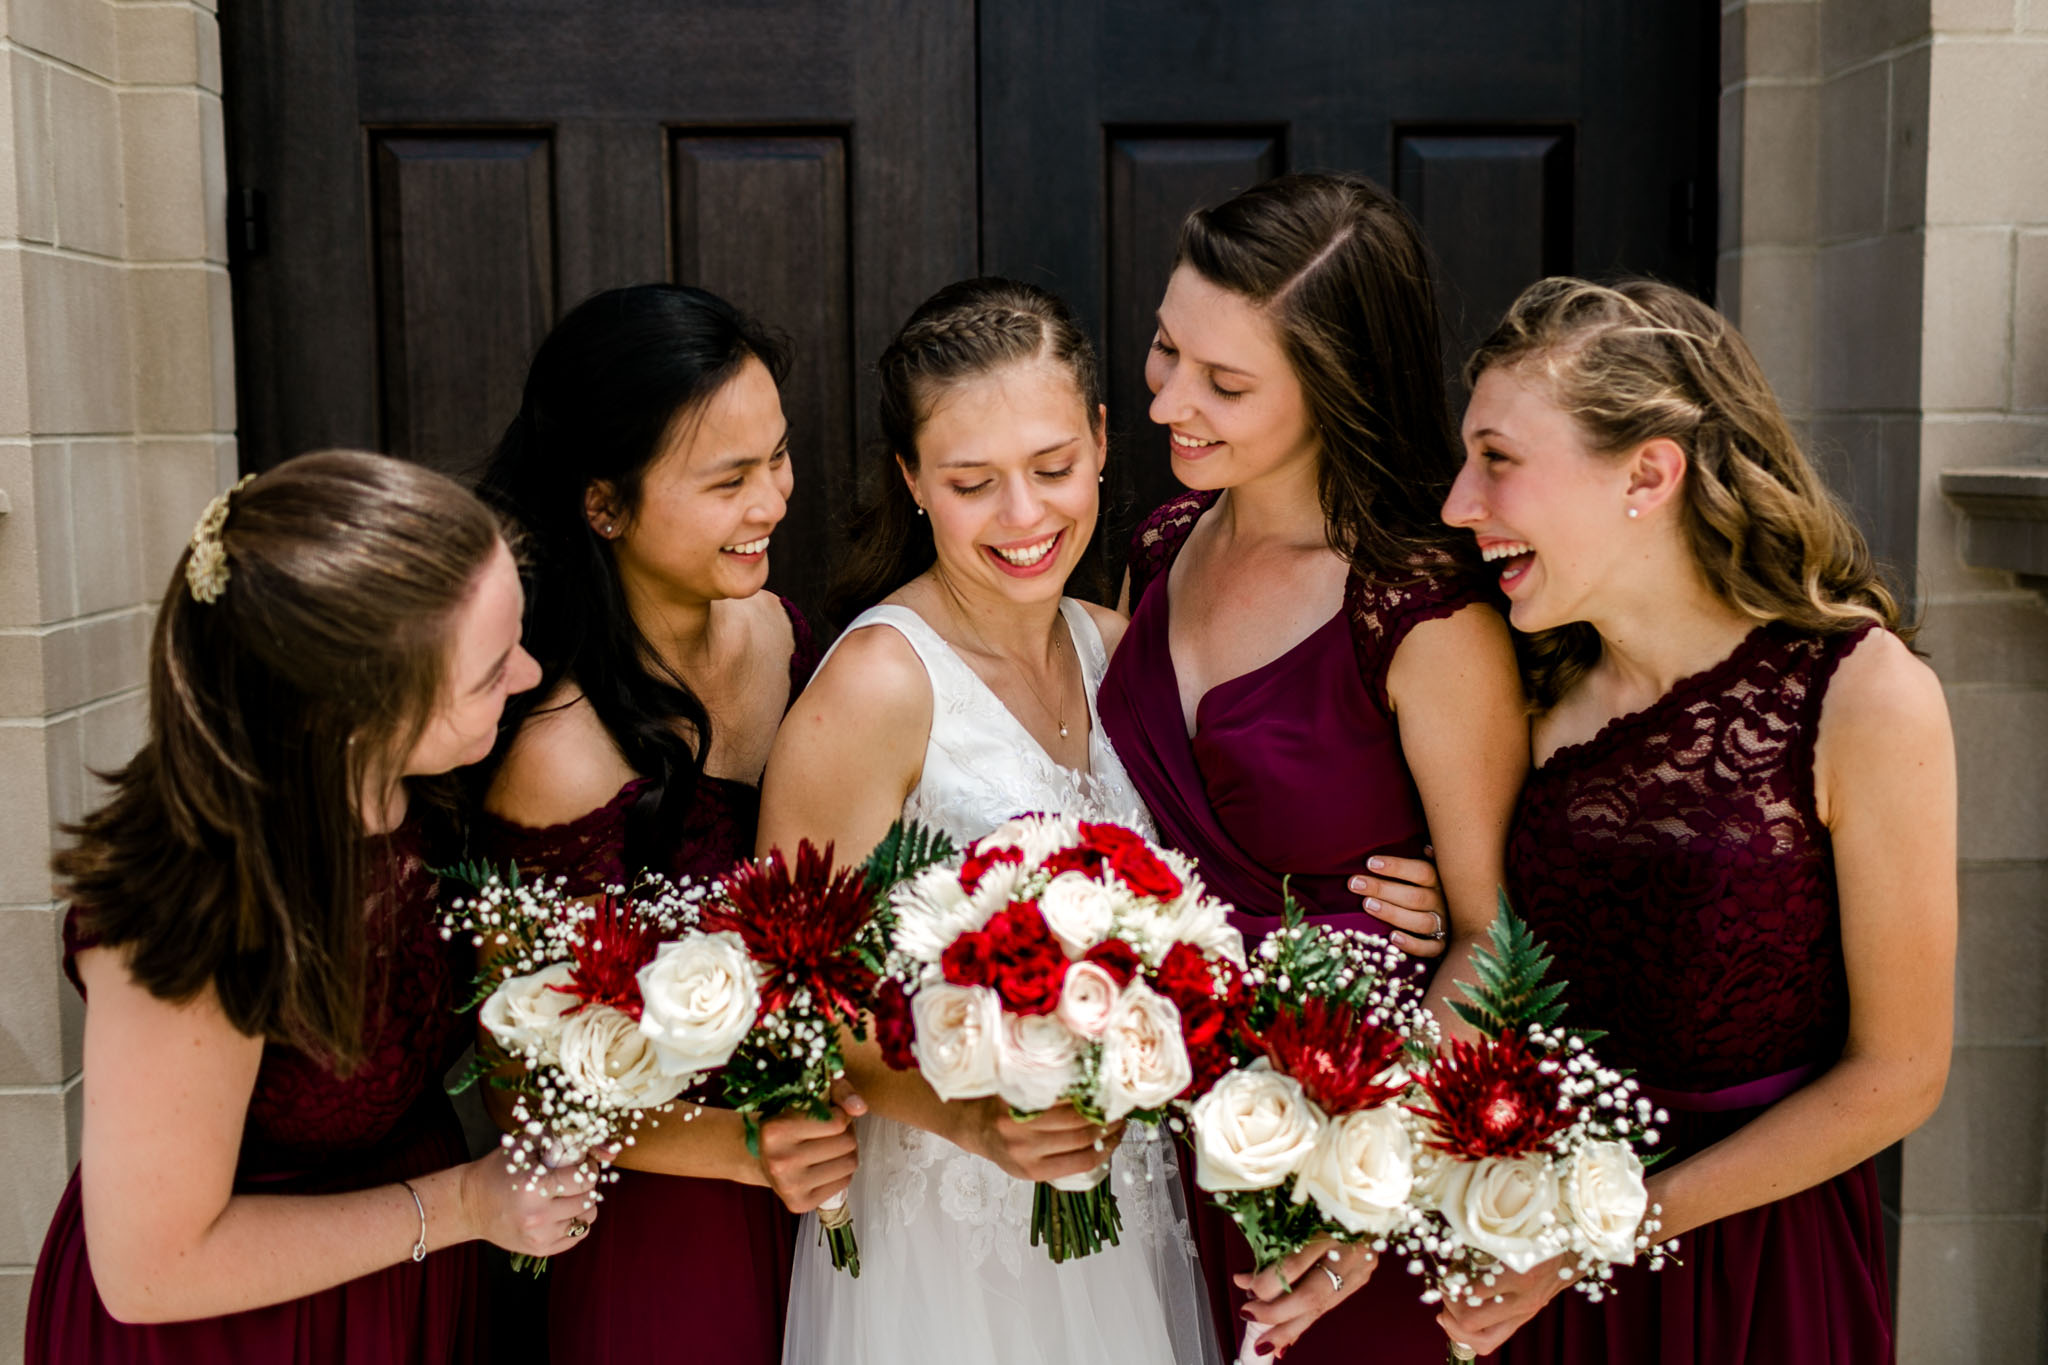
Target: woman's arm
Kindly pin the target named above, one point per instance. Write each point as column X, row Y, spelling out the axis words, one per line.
column 1885, row 782
column 167, row 1089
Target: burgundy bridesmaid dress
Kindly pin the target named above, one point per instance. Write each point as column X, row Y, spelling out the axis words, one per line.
column 1676, row 867
column 310, row 1131
column 678, row 1268
column 1294, row 770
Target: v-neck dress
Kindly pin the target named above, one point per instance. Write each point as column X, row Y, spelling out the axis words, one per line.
column 1295, row 770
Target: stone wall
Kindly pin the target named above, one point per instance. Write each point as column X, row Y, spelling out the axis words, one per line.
column 1885, row 191
column 116, row 421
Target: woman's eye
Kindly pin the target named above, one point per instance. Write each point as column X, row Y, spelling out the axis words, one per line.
column 1161, row 347
column 1222, row 392
column 1493, row 457
column 970, row 489
column 1055, row 473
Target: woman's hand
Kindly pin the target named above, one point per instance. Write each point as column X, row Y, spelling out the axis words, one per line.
column 808, row 1160
column 1046, row 1146
column 1511, row 1301
column 1405, row 893
column 1305, row 1286
column 546, row 1219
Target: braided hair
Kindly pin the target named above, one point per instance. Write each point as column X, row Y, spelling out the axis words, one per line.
column 963, row 332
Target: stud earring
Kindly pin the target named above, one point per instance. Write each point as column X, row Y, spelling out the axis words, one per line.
column 1634, row 512
column 920, row 509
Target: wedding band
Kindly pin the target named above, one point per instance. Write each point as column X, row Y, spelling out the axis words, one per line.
column 577, row 1227
column 1437, row 920
column 1336, row 1280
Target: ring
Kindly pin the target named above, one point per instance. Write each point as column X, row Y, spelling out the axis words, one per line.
column 577, row 1227
column 1336, row 1280
column 1438, row 920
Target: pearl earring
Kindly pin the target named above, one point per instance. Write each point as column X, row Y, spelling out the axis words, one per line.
column 920, row 509
column 1634, row 512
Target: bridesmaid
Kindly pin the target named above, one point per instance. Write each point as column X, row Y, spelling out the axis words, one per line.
column 649, row 465
column 1313, row 686
column 270, row 1170
column 1743, row 779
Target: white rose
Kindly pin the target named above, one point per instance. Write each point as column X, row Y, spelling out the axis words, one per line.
column 1507, row 1207
column 1038, row 1059
column 1087, row 995
column 1078, row 909
column 1144, row 1061
column 604, row 1054
column 955, row 1043
column 1361, row 1170
column 525, row 1014
column 1252, row 1130
column 699, row 996
column 1603, row 1188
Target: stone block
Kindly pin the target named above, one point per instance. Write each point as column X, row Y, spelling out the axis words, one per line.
column 91, row 659
column 213, row 170
column 21, row 673
column 110, row 733
column 1987, row 155
column 33, row 1143
column 14, row 1287
column 209, row 50
column 56, row 564
column 85, row 137
column 1997, row 641
column 1779, row 165
column 1906, row 197
column 2002, row 954
column 10, row 205
column 24, row 818
column 1853, row 31
column 1733, row 21
column 167, row 174
column 34, row 171
column 1776, row 310
column 14, row 406
column 2002, row 770
column 1855, row 138
column 33, row 1048
column 21, row 597
column 1728, row 215
column 2030, row 322
column 174, row 349
column 78, row 32
column 1969, row 1289
column 1982, row 1150
column 1973, row 16
column 106, row 500
column 220, row 324
column 159, row 44
column 1966, row 326
column 1779, row 40
column 64, row 752
column 76, row 321
column 1867, row 309
column 178, row 477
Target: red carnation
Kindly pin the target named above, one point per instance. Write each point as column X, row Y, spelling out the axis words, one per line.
column 1027, row 964
column 1076, row 858
column 606, row 960
column 1493, row 1099
column 1337, row 1057
column 894, row 1027
column 1185, row 976
column 1117, row 958
column 968, row 960
column 981, row 861
column 800, row 925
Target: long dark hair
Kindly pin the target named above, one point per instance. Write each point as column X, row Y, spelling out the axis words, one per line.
column 1339, row 267
column 608, row 389
column 231, row 851
column 964, row 331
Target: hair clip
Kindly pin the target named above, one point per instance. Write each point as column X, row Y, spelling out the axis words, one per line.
column 206, row 568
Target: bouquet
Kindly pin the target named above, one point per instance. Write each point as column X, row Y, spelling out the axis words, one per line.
column 1530, row 1145
column 1062, row 961
column 1310, row 1138
column 614, row 1005
column 817, row 952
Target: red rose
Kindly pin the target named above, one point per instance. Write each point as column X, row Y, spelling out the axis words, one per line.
column 1185, row 976
column 1027, row 965
column 894, row 1028
column 1079, row 858
column 968, row 960
column 978, row 863
column 1145, row 873
column 1117, row 958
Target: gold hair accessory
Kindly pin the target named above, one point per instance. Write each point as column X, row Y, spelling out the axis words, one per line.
column 206, row 569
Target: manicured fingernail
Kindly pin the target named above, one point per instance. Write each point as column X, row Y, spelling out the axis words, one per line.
column 1375, row 863
column 1245, row 1312
column 1358, row 884
column 1264, row 1348
column 1371, row 903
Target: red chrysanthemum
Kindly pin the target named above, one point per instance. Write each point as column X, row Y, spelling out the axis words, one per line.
column 800, row 925
column 895, row 1028
column 605, row 961
column 1493, row 1099
column 1338, row 1058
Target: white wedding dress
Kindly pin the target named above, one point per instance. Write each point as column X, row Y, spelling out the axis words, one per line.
column 948, row 1272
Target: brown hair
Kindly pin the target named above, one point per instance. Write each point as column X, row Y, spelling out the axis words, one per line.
column 964, row 331
column 231, row 851
column 1339, row 267
column 1638, row 361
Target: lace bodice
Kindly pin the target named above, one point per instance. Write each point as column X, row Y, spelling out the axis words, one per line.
column 1677, row 867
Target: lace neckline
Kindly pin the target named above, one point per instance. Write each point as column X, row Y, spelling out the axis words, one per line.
column 1706, row 681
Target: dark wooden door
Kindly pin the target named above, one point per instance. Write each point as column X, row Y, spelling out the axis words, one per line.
column 1529, row 137
column 424, row 186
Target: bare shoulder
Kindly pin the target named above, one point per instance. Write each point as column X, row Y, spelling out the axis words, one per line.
column 873, row 674
column 1469, row 648
column 1883, row 725
column 1110, row 623
column 563, row 764
column 768, row 623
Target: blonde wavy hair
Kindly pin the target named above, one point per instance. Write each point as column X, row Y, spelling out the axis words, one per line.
column 1640, row 360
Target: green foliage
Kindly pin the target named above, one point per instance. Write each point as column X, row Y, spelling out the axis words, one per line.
column 1274, row 1226
column 1511, row 993
column 906, row 850
column 1313, row 961
column 477, row 873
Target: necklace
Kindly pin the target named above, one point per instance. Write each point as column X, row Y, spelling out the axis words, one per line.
column 1059, row 713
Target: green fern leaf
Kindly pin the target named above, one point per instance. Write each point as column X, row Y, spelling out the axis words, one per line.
column 1511, row 993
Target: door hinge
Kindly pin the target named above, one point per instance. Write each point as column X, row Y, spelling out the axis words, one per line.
column 248, row 224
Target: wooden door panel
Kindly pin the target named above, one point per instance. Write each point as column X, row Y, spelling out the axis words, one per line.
column 465, row 276
column 761, row 219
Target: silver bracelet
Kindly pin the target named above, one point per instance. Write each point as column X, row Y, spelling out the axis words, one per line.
column 419, row 1248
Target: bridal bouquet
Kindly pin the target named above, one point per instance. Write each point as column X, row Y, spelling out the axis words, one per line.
column 1531, row 1148
column 1062, row 961
column 1310, row 1138
column 613, row 1006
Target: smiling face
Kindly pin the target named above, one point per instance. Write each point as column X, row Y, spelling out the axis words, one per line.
column 1008, row 464
column 1223, row 388
column 710, row 499
column 1549, row 511
column 485, row 666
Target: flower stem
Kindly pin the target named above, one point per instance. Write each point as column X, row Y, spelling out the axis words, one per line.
column 1072, row 1225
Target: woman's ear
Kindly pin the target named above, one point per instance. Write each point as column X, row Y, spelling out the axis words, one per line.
column 1656, row 474
column 601, row 508
column 909, row 480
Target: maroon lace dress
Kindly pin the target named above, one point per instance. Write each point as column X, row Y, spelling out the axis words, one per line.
column 310, row 1131
column 1295, row 770
column 1676, row 867
column 678, row 1268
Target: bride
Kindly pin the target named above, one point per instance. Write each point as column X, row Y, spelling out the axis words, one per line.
column 965, row 697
